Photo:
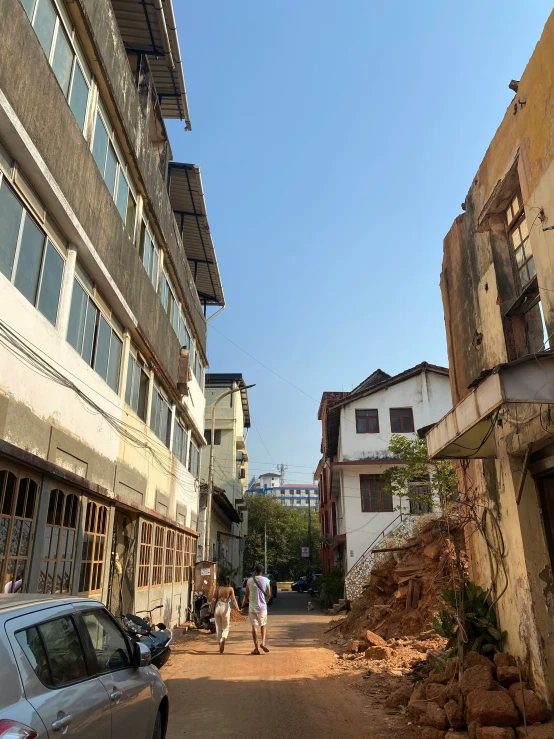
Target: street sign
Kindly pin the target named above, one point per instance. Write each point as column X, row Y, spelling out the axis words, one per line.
column 305, row 551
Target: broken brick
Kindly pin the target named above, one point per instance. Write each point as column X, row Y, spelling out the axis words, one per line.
column 427, row 714
column 530, row 706
column 476, row 678
column 490, row 708
column 455, row 714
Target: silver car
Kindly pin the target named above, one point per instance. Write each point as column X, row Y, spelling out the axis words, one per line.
column 67, row 668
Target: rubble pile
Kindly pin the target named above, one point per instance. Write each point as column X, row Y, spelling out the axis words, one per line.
column 402, row 594
column 492, row 700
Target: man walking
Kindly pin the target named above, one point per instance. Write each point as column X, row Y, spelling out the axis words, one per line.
column 258, row 595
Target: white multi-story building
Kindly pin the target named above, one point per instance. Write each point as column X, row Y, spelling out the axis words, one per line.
column 357, row 428
column 290, row 495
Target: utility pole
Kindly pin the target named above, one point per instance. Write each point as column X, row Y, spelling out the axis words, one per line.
column 208, row 521
column 265, row 547
column 309, row 539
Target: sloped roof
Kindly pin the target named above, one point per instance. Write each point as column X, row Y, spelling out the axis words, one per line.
column 378, row 380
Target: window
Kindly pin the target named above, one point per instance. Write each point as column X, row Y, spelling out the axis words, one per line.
column 145, row 554
column 56, row 568
column 217, row 437
column 63, row 650
column 169, row 302
column 91, row 334
column 180, row 442
column 31, row 644
column 198, row 368
column 169, row 555
column 184, row 335
column 109, row 644
column 136, row 389
column 94, row 545
column 194, row 459
column 179, row 553
column 519, row 239
column 401, row 420
column 110, row 162
column 158, row 556
column 149, row 254
column 28, row 258
column 367, row 422
column 419, row 498
column 18, row 499
column 374, row 496
column 160, row 417
column 59, row 42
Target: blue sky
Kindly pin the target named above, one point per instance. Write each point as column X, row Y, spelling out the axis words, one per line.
column 336, row 142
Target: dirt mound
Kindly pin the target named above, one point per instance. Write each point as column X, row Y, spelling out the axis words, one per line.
column 402, row 595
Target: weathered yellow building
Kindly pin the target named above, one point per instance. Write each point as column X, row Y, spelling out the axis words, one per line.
column 497, row 286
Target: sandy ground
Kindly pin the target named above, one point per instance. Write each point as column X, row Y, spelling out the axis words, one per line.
column 294, row 691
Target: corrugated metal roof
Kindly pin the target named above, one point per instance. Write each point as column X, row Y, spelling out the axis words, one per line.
column 151, row 31
column 187, row 201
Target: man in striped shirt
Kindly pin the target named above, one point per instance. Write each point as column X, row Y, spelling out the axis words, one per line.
column 257, row 594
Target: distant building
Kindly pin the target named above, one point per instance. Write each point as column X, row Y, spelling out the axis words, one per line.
column 229, row 517
column 291, row 495
column 356, row 433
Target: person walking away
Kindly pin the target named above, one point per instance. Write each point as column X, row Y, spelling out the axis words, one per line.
column 224, row 596
column 258, row 595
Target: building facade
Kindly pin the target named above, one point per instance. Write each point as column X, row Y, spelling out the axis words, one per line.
column 356, row 432
column 229, row 517
column 102, row 318
column 291, row 495
column 497, row 286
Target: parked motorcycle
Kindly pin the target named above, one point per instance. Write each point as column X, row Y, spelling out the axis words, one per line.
column 156, row 637
column 202, row 617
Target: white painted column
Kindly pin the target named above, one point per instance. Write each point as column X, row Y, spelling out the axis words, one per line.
column 150, row 394
column 173, row 417
column 66, row 291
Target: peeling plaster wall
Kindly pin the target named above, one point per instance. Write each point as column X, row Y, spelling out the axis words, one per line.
column 477, row 288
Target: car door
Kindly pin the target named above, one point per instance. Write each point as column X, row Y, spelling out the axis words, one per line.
column 56, row 675
column 135, row 693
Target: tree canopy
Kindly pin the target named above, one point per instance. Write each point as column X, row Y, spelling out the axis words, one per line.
column 287, row 533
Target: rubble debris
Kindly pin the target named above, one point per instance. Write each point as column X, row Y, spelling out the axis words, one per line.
column 495, row 732
column 429, row 733
column 490, row 708
column 400, row 697
column 530, row 706
column 476, row 678
column 428, row 714
column 507, row 676
column 373, row 640
column 546, row 731
column 378, row 652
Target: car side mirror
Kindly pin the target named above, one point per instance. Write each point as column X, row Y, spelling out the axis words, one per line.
column 141, row 655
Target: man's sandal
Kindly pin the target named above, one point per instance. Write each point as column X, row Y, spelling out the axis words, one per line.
column 256, row 651
column 263, row 646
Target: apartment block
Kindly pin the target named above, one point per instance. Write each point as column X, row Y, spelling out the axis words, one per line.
column 103, row 301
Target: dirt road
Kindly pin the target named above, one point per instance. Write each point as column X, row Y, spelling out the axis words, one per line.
column 291, row 692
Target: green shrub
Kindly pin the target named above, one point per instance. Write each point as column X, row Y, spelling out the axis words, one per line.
column 480, row 623
column 331, row 587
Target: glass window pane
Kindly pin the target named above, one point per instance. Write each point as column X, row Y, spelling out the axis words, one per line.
column 30, row 643
column 143, row 396
column 115, row 361
column 164, row 291
column 29, row 259
column 10, row 221
column 51, row 283
column 523, row 228
column 64, row 651
column 531, row 268
column 122, row 195
column 130, row 219
column 100, row 144
column 108, row 642
column 62, row 61
column 129, row 384
column 29, row 6
column 45, row 21
column 155, row 262
column 516, row 238
column 79, row 96
column 135, row 392
column 76, row 326
column 520, row 256
column 102, row 348
column 90, row 327
column 527, row 247
column 515, row 205
column 111, row 169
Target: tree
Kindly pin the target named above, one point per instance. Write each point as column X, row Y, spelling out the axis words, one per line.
column 287, row 533
column 420, row 479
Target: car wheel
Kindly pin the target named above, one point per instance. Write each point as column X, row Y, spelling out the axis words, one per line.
column 158, row 727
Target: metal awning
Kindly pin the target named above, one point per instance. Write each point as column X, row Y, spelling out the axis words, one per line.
column 467, row 431
column 187, row 200
column 149, row 28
